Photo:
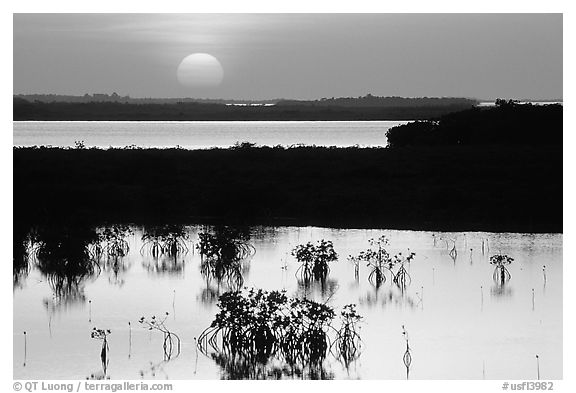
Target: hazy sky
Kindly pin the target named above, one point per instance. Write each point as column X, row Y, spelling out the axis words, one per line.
column 301, row 56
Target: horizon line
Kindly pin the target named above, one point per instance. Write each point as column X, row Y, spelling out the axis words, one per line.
column 529, row 99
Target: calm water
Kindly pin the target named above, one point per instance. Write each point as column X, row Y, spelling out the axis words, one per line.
column 202, row 134
column 461, row 325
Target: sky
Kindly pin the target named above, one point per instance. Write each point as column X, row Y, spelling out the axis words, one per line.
column 298, row 56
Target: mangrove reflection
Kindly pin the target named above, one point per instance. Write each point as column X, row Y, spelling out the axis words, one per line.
column 116, row 268
column 389, row 297
column 501, row 291
column 173, row 266
column 20, row 258
column 167, row 246
column 307, row 331
column 263, row 233
column 98, row 376
column 63, row 256
column 209, row 295
column 317, row 289
column 168, row 240
column 154, row 369
column 235, row 368
column 225, row 255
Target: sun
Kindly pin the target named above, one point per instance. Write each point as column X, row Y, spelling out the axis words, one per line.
column 200, row 70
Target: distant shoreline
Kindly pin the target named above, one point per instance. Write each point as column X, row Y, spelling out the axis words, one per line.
column 202, row 121
column 342, row 109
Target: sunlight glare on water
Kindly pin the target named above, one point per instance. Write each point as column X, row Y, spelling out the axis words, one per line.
column 201, row 134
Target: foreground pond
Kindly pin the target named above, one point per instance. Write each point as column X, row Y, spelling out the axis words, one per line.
column 460, row 323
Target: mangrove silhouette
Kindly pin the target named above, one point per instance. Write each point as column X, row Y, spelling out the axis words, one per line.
column 380, row 263
column 172, row 344
column 256, row 330
column 102, row 335
column 508, row 124
column 501, row 274
column 314, row 259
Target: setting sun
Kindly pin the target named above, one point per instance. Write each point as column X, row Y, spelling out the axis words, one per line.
column 200, row 70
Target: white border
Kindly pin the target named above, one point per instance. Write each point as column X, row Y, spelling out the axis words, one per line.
column 422, row 6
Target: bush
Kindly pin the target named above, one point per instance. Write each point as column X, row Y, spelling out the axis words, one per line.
column 315, row 259
column 257, row 326
column 508, row 123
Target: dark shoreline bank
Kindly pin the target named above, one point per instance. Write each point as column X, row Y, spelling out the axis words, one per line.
column 452, row 188
column 24, row 110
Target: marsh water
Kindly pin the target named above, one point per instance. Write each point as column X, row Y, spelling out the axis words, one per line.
column 201, row 134
column 460, row 323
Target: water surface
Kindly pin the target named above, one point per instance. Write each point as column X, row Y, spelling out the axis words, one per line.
column 201, row 134
column 461, row 324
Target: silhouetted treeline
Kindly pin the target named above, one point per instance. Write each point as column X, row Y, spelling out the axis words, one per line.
column 368, row 100
column 188, row 111
column 497, row 188
column 386, row 102
column 115, row 97
column 507, row 123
